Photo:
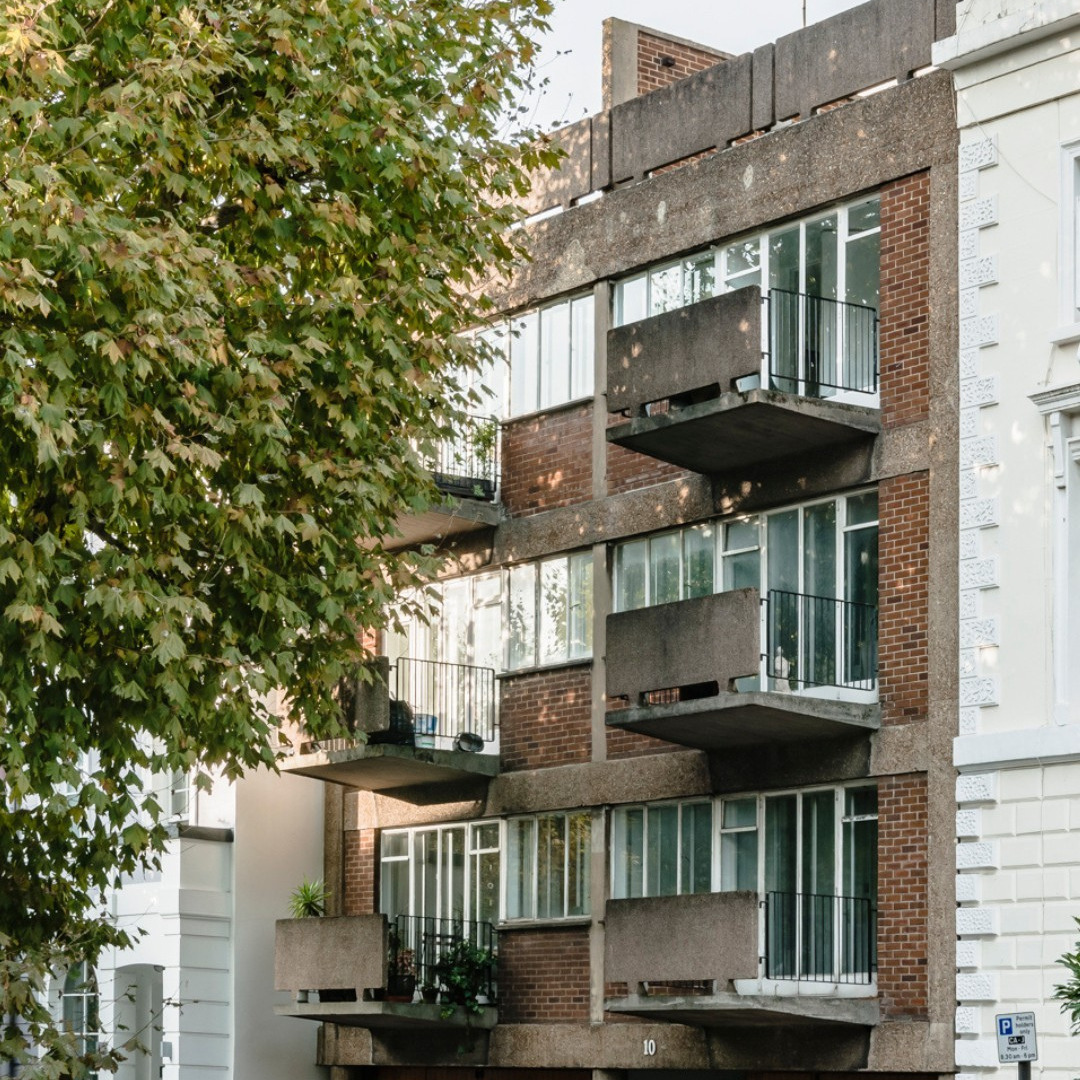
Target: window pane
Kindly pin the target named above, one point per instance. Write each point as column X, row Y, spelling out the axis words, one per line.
column 631, row 300
column 699, row 553
column 740, row 534
column 485, row 900
column 554, row 354
column 859, row 802
column 743, row 262
column 628, row 839
column 819, row 550
column 519, row 869
column 740, row 813
column 664, row 559
column 630, row 572
column 862, row 509
column 782, row 531
column 819, row 843
column 865, row 216
column 577, row 884
column 663, row 850
column 582, row 341
column 666, row 289
column 696, row 848
column 581, row 606
column 522, row 616
column 742, row 571
column 784, row 260
column 738, row 861
column 550, row 866
column 699, row 281
column 524, row 343
column 554, row 598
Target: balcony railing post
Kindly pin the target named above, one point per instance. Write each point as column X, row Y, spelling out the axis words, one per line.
column 419, row 942
column 818, row 346
column 447, row 700
column 820, row 641
column 467, row 463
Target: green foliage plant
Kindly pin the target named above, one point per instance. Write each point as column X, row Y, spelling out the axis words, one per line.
column 1068, row 993
column 239, row 242
column 308, row 899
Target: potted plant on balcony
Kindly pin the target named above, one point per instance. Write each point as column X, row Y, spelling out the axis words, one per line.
column 308, row 899
column 400, row 970
column 464, row 971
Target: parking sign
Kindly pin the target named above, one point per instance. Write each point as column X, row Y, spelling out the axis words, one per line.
column 1016, row 1037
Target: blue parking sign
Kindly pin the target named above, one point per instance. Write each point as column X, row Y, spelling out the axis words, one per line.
column 1004, row 1025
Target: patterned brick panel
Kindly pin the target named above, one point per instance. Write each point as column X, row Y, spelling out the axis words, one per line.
column 652, row 75
column 905, row 300
column 359, row 898
column 903, row 828
column 545, row 718
column 904, row 597
column 544, row 975
column 547, row 460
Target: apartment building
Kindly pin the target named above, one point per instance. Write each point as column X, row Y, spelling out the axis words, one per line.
column 1018, row 748
column 672, row 755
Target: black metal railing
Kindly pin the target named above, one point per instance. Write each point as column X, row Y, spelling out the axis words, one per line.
column 418, row 943
column 467, row 463
column 818, row 938
column 438, row 700
column 819, row 641
column 819, row 347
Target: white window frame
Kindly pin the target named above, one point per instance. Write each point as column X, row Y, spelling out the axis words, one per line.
column 531, row 915
column 575, row 600
column 647, row 809
column 723, row 282
column 720, row 553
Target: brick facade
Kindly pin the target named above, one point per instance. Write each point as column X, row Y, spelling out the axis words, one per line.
column 545, row 718
column 547, row 460
column 903, row 597
column 359, row 872
column 903, row 940
column 628, row 470
column 544, row 975
column 661, row 62
column 905, row 300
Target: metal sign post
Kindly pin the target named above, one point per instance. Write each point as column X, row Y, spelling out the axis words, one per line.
column 1016, row 1041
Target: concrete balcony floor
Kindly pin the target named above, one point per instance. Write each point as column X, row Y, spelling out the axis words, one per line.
column 389, row 1015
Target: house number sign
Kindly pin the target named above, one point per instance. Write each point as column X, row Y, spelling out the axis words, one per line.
column 648, row 1047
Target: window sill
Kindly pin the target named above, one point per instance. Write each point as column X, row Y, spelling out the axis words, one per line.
column 585, row 661
column 1068, row 334
column 544, row 924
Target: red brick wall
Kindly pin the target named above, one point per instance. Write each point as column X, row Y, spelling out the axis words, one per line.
column 905, row 300
column 544, row 975
column 628, row 470
column 903, row 828
column 626, row 744
column 903, row 597
column 359, row 872
column 547, row 460
column 545, row 718
column 652, row 75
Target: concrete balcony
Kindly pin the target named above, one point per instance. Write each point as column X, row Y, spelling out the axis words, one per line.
column 340, row 971
column 465, row 469
column 426, row 732
column 695, row 960
column 678, row 664
column 708, row 388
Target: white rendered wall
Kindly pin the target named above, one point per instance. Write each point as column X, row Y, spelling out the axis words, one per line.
column 196, row 987
column 1017, row 69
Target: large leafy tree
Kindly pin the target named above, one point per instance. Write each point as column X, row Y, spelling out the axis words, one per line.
column 236, row 241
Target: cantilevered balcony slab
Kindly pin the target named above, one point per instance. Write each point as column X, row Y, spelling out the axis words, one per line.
column 675, row 376
column 391, row 1015
column 694, row 960
column 450, row 519
column 732, row 719
column 421, row 728
column 736, row 431
column 695, row 651
column 416, row 774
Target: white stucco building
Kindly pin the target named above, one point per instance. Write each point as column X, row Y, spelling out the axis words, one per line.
column 197, row 989
column 1017, row 71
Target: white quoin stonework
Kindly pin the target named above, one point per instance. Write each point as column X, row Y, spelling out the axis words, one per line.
column 1018, row 747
